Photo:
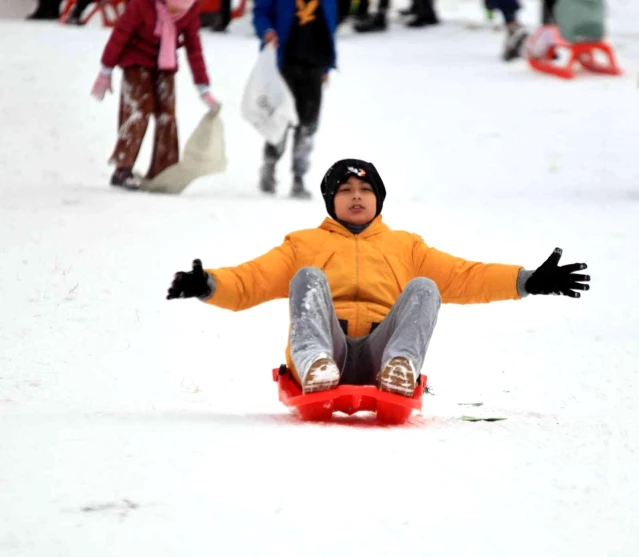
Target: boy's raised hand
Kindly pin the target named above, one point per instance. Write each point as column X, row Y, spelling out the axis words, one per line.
column 193, row 284
column 549, row 278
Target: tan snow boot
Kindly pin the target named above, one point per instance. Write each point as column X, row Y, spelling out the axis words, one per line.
column 398, row 377
column 322, row 375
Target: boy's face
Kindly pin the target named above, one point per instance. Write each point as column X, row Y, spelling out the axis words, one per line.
column 355, row 201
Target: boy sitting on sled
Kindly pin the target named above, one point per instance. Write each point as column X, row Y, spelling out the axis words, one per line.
column 364, row 298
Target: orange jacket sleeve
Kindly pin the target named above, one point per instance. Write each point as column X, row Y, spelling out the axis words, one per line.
column 465, row 282
column 255, row 282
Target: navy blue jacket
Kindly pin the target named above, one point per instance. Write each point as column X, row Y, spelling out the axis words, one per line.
column 279, row 15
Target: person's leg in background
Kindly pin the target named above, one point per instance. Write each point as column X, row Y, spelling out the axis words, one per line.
column 343, row 10
column 137, row 103
column 516, row 33
column 223, row 18
column 165, row 142
column 547, row 7
column 306, row 84
column 424, row 14
column 374, row 22
column 47, row 9
column 272, row 153
column 76, row 13
column 362, row 10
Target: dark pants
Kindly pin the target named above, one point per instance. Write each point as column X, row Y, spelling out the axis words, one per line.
column 147, row 92
column 79, row 7
column 424, row 8
column 47, row 9
column 343, row 10
column 547, row 8
column 509, row 8
column 217, row 21
column 306, row 86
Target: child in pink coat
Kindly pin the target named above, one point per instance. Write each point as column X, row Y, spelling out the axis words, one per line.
column 144, row 43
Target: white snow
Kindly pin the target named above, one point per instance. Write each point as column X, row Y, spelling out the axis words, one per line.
column 131, row 425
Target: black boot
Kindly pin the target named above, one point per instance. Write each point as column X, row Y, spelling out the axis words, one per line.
column 299, row 191
column 124, row 178
column 376, row 22
column 267, row 177
column 47, row 9
column 423, row 21
column 424, row 14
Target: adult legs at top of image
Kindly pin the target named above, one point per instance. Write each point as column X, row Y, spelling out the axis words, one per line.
column 217, row 21
column 306, row 85
column 547, row 7
column 145, row 92
column 76, row 12
column 391, row 356
column 516, row 33
column 47, row 9
column 424, row 14
column 375, row 21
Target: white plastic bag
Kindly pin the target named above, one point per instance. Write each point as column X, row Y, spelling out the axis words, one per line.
column 268, row 104
column 204, row 154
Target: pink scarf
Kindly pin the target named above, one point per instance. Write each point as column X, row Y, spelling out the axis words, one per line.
column 165, row 29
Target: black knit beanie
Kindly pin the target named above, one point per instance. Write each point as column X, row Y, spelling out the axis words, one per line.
column 340, row 173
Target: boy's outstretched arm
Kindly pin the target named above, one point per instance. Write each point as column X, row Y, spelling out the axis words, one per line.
column 467, row 282
column 236, row 288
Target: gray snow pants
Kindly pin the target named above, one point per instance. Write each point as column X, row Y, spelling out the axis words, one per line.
column 315, row 330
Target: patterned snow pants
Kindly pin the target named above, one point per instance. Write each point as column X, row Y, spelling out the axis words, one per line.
column 147, row 92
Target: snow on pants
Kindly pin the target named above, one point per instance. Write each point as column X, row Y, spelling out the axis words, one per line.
column 306, row 86
column 315, row 330
column 147, row 92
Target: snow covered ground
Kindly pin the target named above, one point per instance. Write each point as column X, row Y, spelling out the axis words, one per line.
column 134, row 426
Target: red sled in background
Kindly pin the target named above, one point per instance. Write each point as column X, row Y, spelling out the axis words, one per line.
column 109, row 10
column 215, row 6
column 390, row 409
column 549, row 52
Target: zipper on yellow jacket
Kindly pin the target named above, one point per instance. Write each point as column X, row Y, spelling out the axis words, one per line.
column 355, row 325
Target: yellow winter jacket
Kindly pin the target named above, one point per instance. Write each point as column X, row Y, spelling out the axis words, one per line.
column 367, row 272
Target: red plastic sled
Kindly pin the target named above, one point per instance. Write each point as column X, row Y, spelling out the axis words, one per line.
column 349, row 399
column 584, row 53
